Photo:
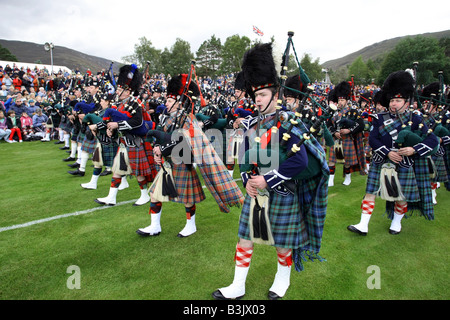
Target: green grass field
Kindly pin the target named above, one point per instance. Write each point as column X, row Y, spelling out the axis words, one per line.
column 116, row 263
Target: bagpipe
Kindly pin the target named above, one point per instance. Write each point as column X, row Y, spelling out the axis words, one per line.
column 253, row 160
column 390, row 188
column 407, row 137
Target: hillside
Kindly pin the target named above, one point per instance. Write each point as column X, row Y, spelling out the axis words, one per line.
column 376, row 50
column 32, row 52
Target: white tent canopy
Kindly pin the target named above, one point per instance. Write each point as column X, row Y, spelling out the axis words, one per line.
column 32, row 66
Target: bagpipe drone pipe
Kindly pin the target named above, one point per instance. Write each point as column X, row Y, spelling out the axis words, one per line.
column 255, row 158
column 126, row 113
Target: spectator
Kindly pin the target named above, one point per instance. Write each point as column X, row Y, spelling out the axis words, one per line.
column 41, row 93
column 39, row 121
column 5, row 132
column 7, row 81
column 18, row 106
column 3, row 92
column 27, row 126
column 17, row 82
column 14, row 125
column 32, row 107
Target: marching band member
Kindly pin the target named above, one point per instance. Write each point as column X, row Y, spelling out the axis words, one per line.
column 398, row 172
column 347, row 127
column 178, row 180
column 283, row 224
column 134, row 147
column 106, row 146
column 433, row 119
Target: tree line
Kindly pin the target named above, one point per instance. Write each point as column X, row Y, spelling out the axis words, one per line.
column 214, row 59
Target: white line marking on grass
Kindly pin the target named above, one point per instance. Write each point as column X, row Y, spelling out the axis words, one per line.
column 76, row 213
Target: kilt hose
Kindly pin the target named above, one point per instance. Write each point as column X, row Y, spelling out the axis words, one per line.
column 187, row 183
column 353, row 149
column 141, row 161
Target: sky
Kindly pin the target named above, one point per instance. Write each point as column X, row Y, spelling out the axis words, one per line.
column 325, row 30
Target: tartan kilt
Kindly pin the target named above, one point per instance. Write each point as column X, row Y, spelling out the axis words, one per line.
column 349, row 150
column 66, row 126
column 441, row 170
column 187, row 184
column 288, row 227
column 109, row 151
column 353, row 149
column 80, row 137
column 141, row 161
column 88, row 145
column 406, row 178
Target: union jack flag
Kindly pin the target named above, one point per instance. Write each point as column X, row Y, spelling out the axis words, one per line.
column 257, row 31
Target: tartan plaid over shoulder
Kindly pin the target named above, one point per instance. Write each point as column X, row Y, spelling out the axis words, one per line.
column 217, row 179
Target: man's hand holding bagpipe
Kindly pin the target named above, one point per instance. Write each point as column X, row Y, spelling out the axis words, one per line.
column 157, row 155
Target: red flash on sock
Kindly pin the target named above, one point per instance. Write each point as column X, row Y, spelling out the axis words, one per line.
column 243, row 256
column 367, row 206
column 400, row 208
column 285, row 259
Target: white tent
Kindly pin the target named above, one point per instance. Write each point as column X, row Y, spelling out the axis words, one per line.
column 31, row 66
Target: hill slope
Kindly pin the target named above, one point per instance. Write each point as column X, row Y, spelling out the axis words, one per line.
column 31, row 52
column 377, row 50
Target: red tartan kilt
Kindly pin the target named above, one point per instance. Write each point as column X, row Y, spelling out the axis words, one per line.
column 188, row 184
column 142, row 162
column 349, row 150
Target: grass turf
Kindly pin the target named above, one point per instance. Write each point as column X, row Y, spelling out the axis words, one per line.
column 116, row 263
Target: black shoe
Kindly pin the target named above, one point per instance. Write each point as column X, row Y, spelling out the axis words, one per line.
column 76, row 173
column 101, row 202
column 69, row 159
column 353, row 229
column 219, row 296
column 64, row 148
column 74, row 165
column 393, row 232
column 105, row 172
column 145, row 234
column 59, row 142
column 273, row 296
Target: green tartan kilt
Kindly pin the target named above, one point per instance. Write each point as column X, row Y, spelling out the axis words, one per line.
column 288, row 229
column 441, row 170
column 108, row 153
column 406, row 178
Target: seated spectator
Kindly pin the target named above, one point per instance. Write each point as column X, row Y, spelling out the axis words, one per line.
column 17, row 82
column 14, row 125
column 41, row 93
column 3, row 92
column 19, row 106
column 39, row 121
column 32, row 107
column 27, row 126
column 5, row 132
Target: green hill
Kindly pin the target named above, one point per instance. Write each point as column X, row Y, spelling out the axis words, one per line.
column 377, row 50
